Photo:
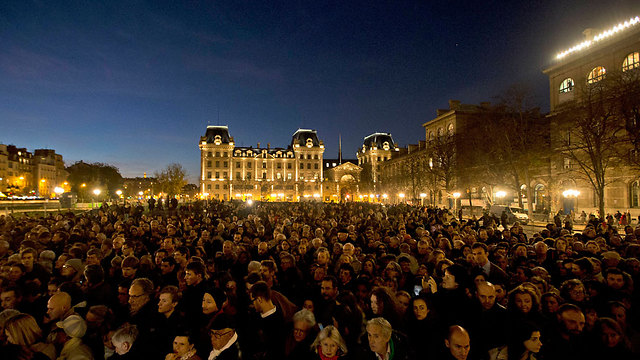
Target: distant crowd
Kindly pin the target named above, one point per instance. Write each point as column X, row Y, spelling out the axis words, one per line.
column 302, row 281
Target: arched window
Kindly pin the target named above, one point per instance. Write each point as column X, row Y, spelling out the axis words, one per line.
column 431, row 136
column 440, row 132
column 450, row 129
column 596, row 74
column 632, row 61
column 566, row 85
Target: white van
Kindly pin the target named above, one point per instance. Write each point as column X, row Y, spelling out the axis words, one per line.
column 514, row 214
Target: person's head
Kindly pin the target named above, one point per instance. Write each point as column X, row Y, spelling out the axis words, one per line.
column 182, row 344
column 454, row 277
column 571, row 320
column 168, row 299
column 420, row 306
column 303, row 321
column 221, row 330
column 524, row 300
column 261, row 296
column 329, row 342
column 480, row 253
column 486, row 295
column 167, row 265
column 140, row 292
column 615, row 278
column 22, row 329
column 10, row 297
column 550, row 303
column 27, row 257
column 458, row 342
column 403, row 299
column 610, row 332
column 129, row 267
column 573, row 290
column 267, row 269
column 212, row 301
column 379, row 333
column 194, row 273
column 524, row 339
column 329, row 288
column 58, row 305
column 94, row 274
column 383, row 301
column 124, row 338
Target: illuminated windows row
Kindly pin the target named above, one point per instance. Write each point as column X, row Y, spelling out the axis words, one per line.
column 632, row 61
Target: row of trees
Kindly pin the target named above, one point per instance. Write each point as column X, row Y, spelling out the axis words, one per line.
column 84, row 177
column 511, row 143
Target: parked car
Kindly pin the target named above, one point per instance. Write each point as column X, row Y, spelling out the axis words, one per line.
column 514, row 214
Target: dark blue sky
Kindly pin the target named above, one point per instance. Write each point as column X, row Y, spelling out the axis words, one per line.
column 135, row 83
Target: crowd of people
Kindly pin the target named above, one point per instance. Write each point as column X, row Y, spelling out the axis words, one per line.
column 300, row 281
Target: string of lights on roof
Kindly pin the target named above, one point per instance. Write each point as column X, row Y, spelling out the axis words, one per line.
column 603, row 35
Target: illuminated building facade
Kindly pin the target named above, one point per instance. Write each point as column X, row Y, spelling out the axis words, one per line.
column 276, row 174
column 376, row 149
column 26, row 173
column 615, row 50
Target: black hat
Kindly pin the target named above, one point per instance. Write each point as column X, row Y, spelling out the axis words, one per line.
column 223, row 321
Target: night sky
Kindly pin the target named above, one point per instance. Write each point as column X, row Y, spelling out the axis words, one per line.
column 135, row 83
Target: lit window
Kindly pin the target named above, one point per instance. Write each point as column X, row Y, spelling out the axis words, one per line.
column 596, row 75
column 566, row 85
column 632, row 61
column 450, row 129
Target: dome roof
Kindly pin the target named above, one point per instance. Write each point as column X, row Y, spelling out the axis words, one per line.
column 378, row 140
column 304, row 136
column 217, row 130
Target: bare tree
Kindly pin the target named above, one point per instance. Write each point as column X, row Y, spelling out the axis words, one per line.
column 591, row 135
column 172, row 179
column 512, row 142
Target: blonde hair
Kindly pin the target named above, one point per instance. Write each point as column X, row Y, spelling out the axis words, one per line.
column 332, row 333
column 23, row 329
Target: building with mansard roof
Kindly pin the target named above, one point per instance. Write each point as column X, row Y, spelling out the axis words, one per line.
column 291, row 173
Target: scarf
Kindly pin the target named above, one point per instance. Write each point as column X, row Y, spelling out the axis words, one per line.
column 322, row 357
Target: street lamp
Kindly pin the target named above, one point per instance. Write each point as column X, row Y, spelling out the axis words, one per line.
column 401, row 196
column 456, row 196
column 422, row 196
column 501, row 194
column 58, row 190
column 572, row 196
column 119, row 193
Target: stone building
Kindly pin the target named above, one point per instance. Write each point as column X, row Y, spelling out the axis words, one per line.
column 35, row 174
column 272, row 174
column 376, row 149
column 603, row 52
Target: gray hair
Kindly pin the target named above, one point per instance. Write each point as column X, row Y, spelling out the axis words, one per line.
column 127, row 333
column 306, row 316
column 254, row 266
column 384, row 325
column 145, row 284
column 332, row 333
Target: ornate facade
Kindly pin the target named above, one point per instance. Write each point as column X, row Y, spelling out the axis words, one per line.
column 275, row 174
column 602, row 53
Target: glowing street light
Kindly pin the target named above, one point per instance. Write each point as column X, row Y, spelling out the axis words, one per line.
column 119, row 192
column 570, row 193
column 501, row 194
column 140, row 193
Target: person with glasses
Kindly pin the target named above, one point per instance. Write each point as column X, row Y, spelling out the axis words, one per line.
column 224, row 339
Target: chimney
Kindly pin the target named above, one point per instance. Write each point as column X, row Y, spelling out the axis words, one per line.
column 258, row 145
column 454, row 104
column 268, row 146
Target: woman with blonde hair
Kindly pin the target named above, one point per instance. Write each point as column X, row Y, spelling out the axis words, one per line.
column 23, row 330
column 329, row 344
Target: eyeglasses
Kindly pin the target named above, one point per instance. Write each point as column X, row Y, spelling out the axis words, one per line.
column 218, row 334
column 136, row 296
